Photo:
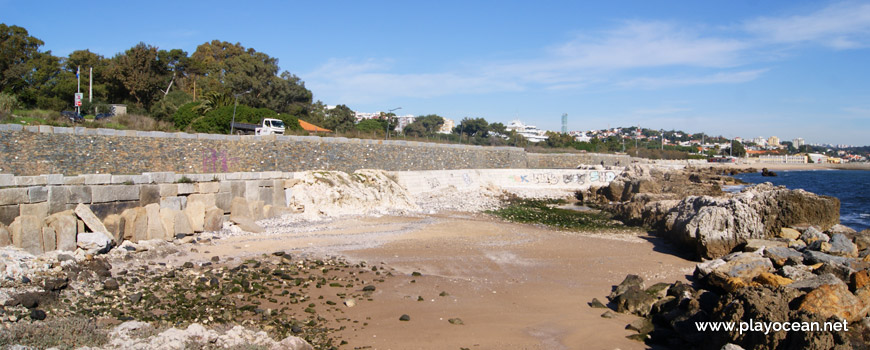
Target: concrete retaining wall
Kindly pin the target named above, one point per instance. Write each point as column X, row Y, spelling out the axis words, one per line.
column 35, row 150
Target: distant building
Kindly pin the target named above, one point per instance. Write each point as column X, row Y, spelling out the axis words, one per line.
column 760, row 141
column 783, row 159
column 447, row 127
column 817, row 158
column 404, row 120
column 773, row 141
column 529, row 132
column 798, row 142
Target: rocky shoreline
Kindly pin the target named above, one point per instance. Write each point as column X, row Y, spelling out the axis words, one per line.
column 769, row 255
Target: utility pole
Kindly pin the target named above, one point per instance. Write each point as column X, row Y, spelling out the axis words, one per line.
column 91, row 85
column 663, row 139
column 78, row 87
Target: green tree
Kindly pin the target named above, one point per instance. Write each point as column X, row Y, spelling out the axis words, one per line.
column 372, row 126
column 231, row 69
column 185, row 114
column 17, row 48
column 423, row 126
column 140, row 72
column 340, row 119
column 472, row 127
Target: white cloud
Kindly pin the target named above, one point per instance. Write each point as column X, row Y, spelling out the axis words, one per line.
column 620, row 57
column 840, row 26
column 717, row 78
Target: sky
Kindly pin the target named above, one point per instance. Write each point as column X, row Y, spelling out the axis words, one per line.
column 732, row 68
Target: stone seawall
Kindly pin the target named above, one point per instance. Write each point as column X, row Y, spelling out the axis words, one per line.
column 40, row 213
column 35, row 150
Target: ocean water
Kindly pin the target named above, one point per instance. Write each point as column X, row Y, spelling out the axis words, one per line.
column 851, row 187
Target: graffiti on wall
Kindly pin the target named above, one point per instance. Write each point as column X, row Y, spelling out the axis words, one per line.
column 214, row 161
column 553, row 179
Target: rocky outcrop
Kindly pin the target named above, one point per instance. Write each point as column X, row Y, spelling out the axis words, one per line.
column 334, row 193
column 774, row 283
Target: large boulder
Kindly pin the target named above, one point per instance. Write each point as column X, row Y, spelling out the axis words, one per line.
column 27, row 234
column 833, row 300
column 91, row 221
column 94, row 242
column 65, row 228
column 5, row 237
column 713, row 226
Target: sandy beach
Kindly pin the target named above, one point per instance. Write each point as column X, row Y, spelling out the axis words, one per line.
column 513, row 286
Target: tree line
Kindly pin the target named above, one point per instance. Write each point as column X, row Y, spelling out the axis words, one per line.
column 150, row 80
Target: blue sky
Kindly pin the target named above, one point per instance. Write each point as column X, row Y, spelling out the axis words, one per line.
column 731, row 68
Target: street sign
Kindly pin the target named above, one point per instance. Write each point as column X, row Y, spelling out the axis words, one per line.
column 79, row 97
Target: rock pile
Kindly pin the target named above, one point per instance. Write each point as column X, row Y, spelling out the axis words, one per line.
column 798, row 276
column 689, row 207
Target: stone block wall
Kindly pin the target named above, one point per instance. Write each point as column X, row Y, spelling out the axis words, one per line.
column 36, row 150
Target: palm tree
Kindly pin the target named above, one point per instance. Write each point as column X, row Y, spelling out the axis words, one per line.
column 213, row 100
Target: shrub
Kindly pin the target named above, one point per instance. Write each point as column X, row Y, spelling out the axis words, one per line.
column 218, row 121
column 65, row 333
column 185, row 115
column 8, row 103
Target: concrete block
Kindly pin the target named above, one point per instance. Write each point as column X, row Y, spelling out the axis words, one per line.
column 252, row 190
column 214, row 219
column 195, row 212
column 240, row 209
column 168, row 190
column 149, row 194
column 135, row 224
column 8, row 213
column 97, row 179
column 209, row 199
column 64, row 225
column 63, row 130
column 174, row 222
column 79, row 194
column 185, row 188
column 26, row 234
column 225, row 186
column 112, row 193
column 49, row 239
column 58, row 199
column 103, row 210
column 238, row 188
column 54, row 179
column 256, row 208
column 162, row 177
column 11, row 127
column 122, row 179
column 224, row 200
column 91, row 220
column 39, row 210
column 74, row 180
column 113, row 224
column 176, row 203
column 7, row 180
column 207, row 187
column 38, row 180
column 155, row 228
column 37, row 194
column 233, row 176
column 200, row 177
column 5, row 236
column 13, row 196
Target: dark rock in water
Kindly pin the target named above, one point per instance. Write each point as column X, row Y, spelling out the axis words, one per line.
column 37, row 315
column 765, row 172
column 630, row 281
column 405, row 318
column 597, row 304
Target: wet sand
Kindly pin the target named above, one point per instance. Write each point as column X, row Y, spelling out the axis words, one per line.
column 513, row 286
